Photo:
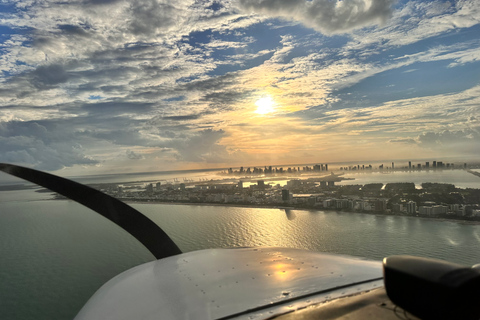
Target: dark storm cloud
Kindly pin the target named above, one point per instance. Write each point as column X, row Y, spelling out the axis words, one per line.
column 325, row 16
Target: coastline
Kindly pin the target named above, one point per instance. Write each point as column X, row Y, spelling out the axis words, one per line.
column 257, row 206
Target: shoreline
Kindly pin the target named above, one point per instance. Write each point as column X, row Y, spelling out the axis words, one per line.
column 463, row 221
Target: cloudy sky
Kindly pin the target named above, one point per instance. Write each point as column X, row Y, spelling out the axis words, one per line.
column 104, row 86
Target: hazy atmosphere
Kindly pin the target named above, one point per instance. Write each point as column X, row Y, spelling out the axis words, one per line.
column 107, row 86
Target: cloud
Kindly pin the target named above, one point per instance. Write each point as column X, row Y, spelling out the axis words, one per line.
column 32, row 144
column 465, row 141
column 204, row 147
column 460, row 142
column 416, row 21
column 133, row 156
column 407, row 141
column 49, row 75
column 328, row 17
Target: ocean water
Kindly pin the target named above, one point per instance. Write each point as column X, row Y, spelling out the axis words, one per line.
column 56, row 254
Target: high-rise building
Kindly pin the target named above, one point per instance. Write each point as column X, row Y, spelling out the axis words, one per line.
column 434, row 164
column 427, row 164
column 326, row 167
column 240, row 185
column 409, row 164
column 149, row 188
column 411, row 207
column 285, row 195
column 393, row 165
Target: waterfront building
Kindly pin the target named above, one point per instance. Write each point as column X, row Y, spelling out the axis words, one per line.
column 467, row 210
column 439, row 209
column 425, row 210
column 327, row 203
column 411, row 207
column 397, row 207
column 285, row 195
column 380, row 205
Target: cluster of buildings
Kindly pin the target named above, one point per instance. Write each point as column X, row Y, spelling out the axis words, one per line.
column 419, row 166
column 274, row 171
column 269, row 170
column 314, row 193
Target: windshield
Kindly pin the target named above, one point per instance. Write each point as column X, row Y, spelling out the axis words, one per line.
column 348, row 127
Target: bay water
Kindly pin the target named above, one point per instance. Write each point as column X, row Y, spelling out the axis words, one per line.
column 55, row 253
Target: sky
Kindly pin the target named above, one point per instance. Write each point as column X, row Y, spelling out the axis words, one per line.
column 112, row 86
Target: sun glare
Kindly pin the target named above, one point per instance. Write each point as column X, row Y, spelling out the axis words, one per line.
column 265, row 105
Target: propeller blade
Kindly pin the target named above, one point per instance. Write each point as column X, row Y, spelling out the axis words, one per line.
column 129, row 219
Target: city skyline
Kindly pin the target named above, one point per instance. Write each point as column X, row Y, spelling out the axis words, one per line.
column 96, row 87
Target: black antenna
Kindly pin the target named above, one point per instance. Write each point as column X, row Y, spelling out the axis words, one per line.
column 129, row 219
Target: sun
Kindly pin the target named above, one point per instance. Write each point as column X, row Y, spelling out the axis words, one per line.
column 265, row 105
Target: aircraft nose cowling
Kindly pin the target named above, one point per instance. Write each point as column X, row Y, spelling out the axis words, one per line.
column 226, row 283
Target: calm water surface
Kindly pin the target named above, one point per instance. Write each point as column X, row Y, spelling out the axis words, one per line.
column 460, row 178
column 56, row 254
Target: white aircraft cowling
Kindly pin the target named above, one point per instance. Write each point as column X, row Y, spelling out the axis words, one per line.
column 250, row 283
